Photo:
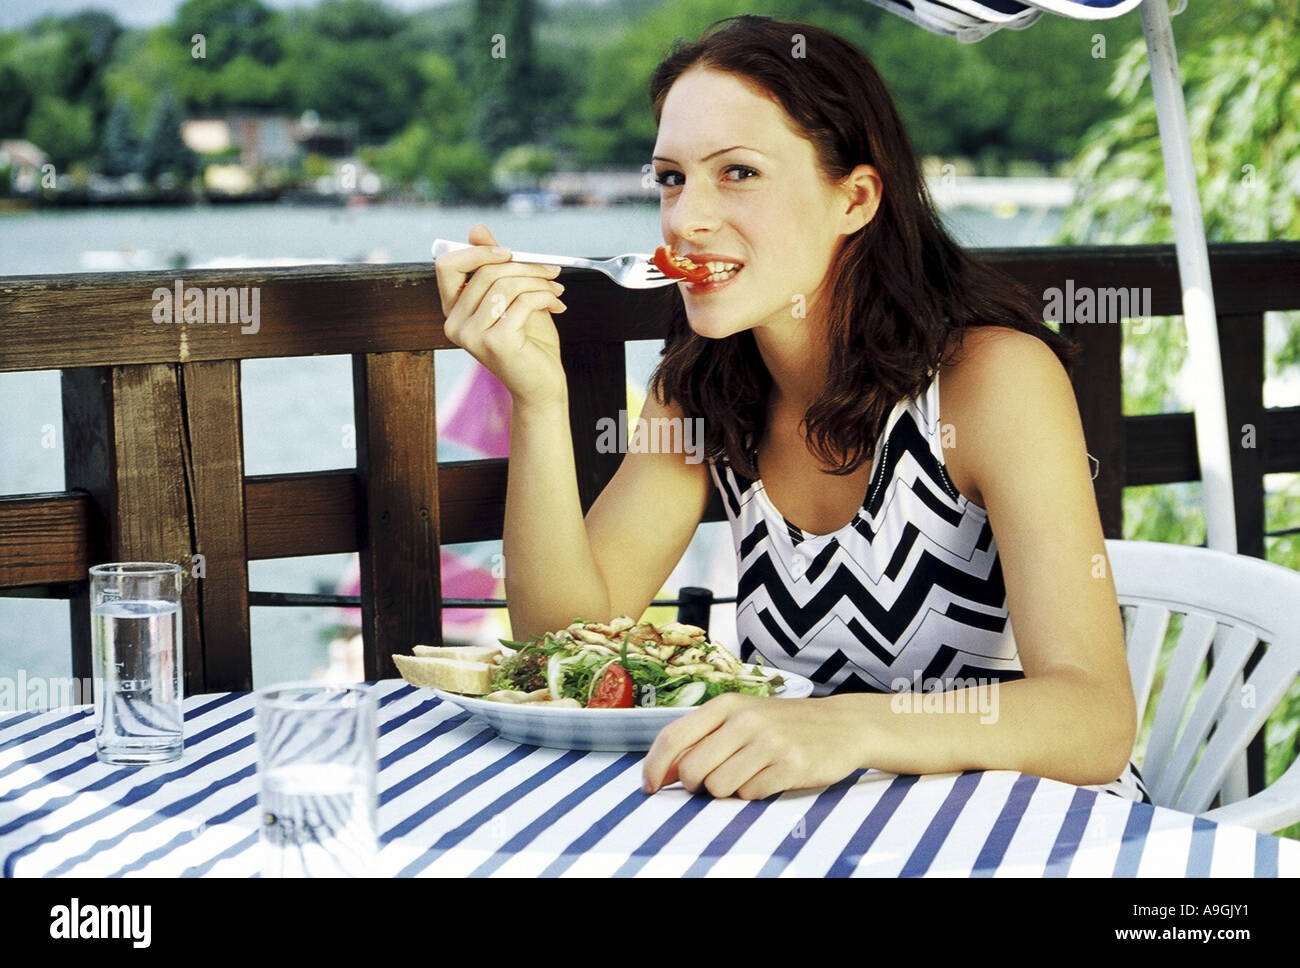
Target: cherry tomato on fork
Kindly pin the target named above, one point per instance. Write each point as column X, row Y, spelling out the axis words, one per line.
column 613, row 691
column 679, row 266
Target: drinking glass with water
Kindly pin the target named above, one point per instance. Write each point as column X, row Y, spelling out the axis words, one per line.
column 135, row 616
column 316, row 766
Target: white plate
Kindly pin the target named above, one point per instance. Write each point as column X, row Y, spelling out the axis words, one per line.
column 619, row 730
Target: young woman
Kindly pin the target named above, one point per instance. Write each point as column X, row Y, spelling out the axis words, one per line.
column 892, row 528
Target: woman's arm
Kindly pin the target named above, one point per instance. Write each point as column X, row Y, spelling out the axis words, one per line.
column 1072, row 718
column 551, row 576
column 558, row 566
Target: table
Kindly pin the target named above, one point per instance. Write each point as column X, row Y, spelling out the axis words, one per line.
column 457, row 800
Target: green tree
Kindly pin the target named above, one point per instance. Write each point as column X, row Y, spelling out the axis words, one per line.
column 504, row 72
column 448, row 169
column 614, row 123
column 61, row 58
column 245, row 83
column 230, row 29
column 120, row 151
column 349, row 20
column 523, row 167
column 148, row 62
column 16, row 102
column 163, row 152
column 64, row 131
column 459, row 172
column 444, row 104
column 349, row 60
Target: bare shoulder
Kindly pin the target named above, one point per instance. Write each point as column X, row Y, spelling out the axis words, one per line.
column 999, row 369
column 986, row 350
column 1003, row 393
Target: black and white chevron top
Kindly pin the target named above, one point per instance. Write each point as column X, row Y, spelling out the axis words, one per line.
column 908, row 596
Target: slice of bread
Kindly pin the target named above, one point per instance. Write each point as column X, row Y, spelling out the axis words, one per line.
column 462, row 653
column 454, row 675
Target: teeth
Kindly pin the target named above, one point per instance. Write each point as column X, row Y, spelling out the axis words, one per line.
column 722, row 270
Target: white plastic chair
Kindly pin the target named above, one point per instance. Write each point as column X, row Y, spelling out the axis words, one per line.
column 1231, row 604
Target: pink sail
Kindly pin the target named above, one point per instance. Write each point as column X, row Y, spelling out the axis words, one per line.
column 478, row 416
column 461, row 578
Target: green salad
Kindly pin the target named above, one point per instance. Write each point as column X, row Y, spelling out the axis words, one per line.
column 624, row 664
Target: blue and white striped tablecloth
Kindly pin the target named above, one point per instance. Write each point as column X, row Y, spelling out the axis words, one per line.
column 456, row 800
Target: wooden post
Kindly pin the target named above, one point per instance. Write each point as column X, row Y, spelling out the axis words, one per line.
column 88, row 466
column 599, row 393
column 124, row 443
column 1241, row 348
column 397, row 465
column 214, row 422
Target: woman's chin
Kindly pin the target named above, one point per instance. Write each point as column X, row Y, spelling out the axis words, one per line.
column 711, row 328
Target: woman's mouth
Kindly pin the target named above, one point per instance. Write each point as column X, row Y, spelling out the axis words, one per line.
column 720, row 274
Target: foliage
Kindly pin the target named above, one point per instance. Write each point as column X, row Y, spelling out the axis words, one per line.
column 573, row 79
column 502, row 71
column 1242, row 88
column 120, row 154
column 64, row 131
column 523, row 166
column 232, row 32
column 147, row 62
column 162, row 152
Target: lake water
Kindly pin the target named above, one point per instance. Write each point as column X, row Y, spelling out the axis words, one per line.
column 298, row 412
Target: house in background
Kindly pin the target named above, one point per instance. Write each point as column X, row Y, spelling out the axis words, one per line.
column 265, row 145
column 24, row 160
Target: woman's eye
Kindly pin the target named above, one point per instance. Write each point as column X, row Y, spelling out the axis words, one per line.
column 674, row 179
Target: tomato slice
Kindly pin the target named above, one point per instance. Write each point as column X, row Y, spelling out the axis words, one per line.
column 679, row 266
column 613, row 691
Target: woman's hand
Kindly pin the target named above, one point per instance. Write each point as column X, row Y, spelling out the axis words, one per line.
column 754, row 746
column 501, row 314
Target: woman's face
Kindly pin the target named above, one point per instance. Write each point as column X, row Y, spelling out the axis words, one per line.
column 741, row 189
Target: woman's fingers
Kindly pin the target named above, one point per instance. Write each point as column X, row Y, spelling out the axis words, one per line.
column 677, row 739
column 480, row 235
column 722, row 757
column 452, row 269
column 491, row 288
column 492, row 300
column 739, row 771
column 498, row 311
column 506, row 333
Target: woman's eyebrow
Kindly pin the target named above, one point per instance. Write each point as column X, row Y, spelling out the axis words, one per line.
column 720, row 151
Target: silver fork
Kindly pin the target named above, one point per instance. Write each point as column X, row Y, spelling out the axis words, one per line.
column 631, row 271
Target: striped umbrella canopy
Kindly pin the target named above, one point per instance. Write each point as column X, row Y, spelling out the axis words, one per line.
column 972, row 20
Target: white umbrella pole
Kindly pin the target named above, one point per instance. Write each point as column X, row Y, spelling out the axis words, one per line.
column 1212, row 440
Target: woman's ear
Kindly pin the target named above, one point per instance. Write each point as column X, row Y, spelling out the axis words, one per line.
column 862, row 191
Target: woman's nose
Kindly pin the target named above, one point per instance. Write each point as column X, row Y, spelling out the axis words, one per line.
column 694, row 210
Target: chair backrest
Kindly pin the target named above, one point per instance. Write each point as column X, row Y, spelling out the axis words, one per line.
column 1239, row 643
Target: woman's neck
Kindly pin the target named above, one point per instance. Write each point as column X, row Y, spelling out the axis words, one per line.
column 798, row 359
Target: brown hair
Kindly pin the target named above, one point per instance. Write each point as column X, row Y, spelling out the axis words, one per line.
column 898, row 288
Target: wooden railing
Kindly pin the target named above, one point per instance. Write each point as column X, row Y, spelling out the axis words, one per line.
column 154, row 453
